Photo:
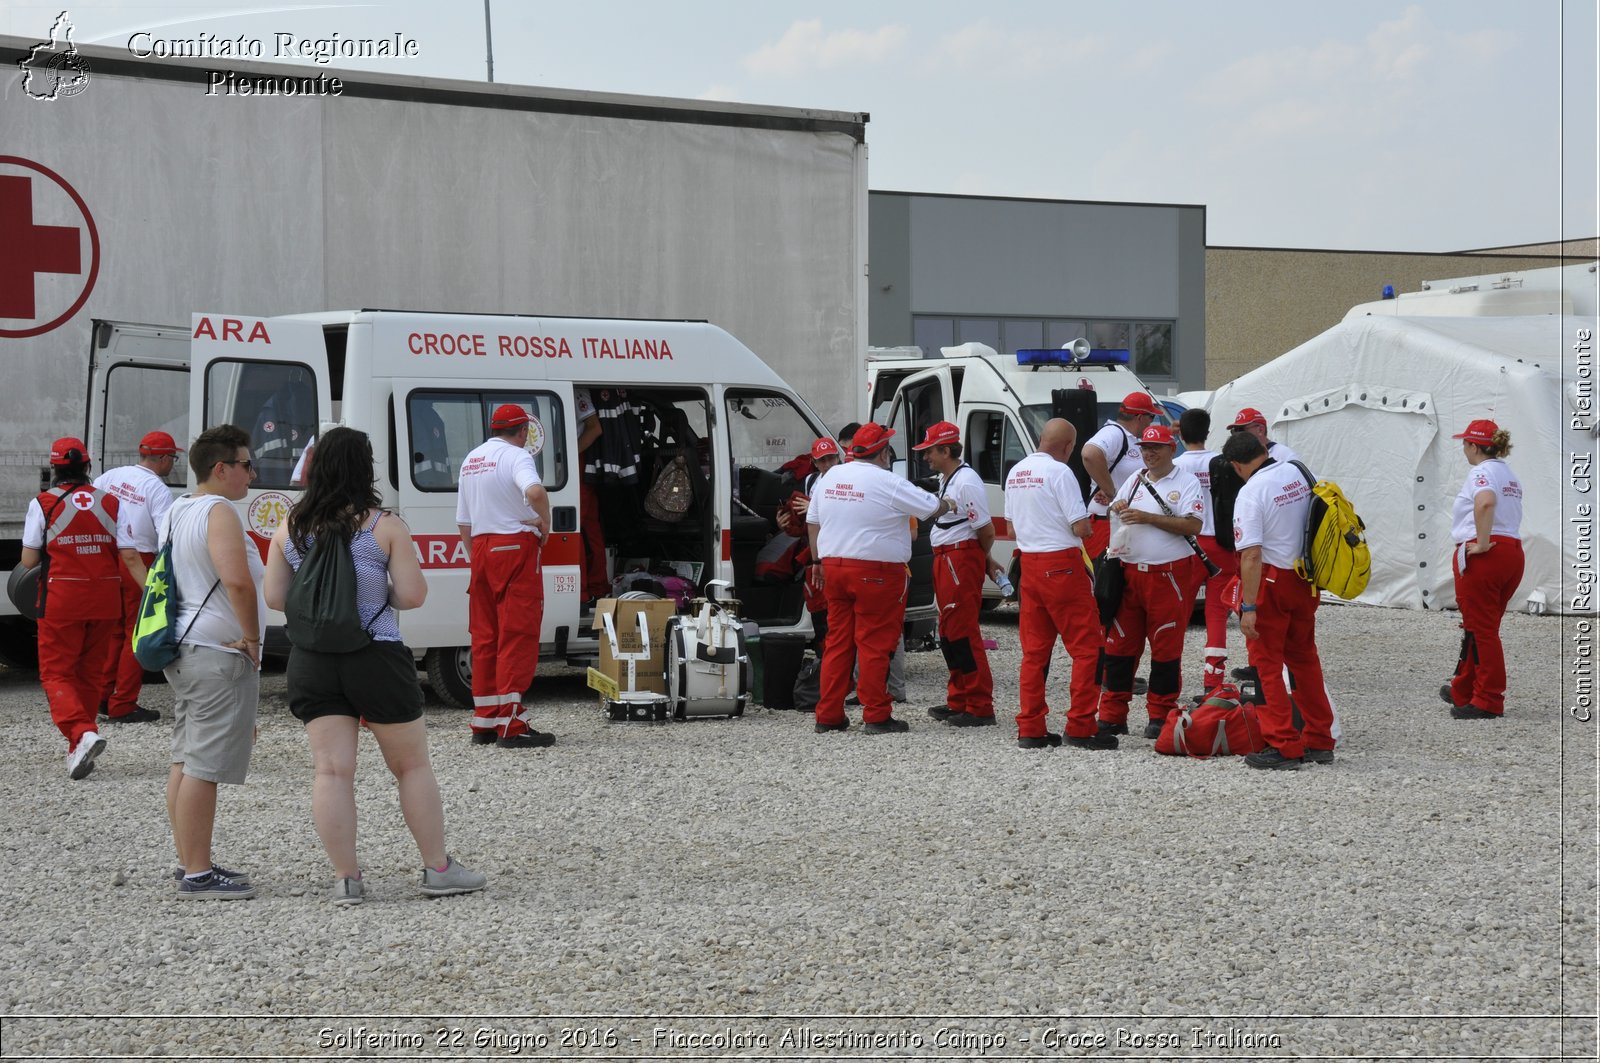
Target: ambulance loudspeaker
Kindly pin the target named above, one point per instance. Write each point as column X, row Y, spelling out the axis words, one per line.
column 1079, row 348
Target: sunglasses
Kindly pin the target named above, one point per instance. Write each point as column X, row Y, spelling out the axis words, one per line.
column 249, row 466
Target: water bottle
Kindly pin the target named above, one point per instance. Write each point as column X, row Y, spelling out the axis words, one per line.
column 1006, row 589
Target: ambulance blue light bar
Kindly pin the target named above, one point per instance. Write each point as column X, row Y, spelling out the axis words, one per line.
column 1063, row 356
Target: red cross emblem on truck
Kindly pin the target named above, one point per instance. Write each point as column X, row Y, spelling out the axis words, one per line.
column 43, row 276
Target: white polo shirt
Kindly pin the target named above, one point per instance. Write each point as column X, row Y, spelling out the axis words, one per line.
column 1494, row 475
column 1147, row 544
column 1281, row 453
column 1271, row 513
column 1110, row 440
column 1197, row 463
column 143, row 499
column 493, row 479
column 1043, row 502
column 971, row 498
column 860, row 511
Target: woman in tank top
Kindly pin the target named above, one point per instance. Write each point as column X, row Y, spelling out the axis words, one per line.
column 334, row 693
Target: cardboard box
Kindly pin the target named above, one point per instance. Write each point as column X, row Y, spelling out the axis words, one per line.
column 648, row 674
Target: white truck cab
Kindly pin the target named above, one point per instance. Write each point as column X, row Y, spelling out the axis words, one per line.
column 422, row 385
column 1000, row 403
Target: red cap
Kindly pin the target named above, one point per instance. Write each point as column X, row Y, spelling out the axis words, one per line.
column 940, row 434
column 61, row 451
column 1479, row 432
column 509, row 416
column 869, row 439
column 824, row 448
column 155, row 444
column 1248, row 415
column 1157, row 435
column 1139, row 402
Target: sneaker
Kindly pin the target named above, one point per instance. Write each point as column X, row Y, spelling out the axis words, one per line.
column 941, row 712
column 139, row 714
column 1103, row 740
column 349, row 891
column 532, row 740
column 1114, row 728
column 453, row 879
column 214, row 887
column 1153, row 728
column 851, row 699
column 483, row 738
column 1272, row 760
column 102, row 711
column 1318, row 756
column 1460, row 712
column 891, row 726
column 1048, row 740
column 1447, row 697
column 1141, row 685
column 217, row 869
column 80, row 762
column 967, row 719
column 824, row 728
column 1246, row 674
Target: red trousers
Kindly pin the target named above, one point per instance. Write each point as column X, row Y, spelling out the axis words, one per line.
column 1099, row 537
column 595, row 582
column 125, row 676
column 1483, row 591
column 1216, row 612
column 1155, row 609
column 506, row 608
column 866, row 611
column 958, row 575
column 1286, row 633
column 74, row 665
column 1057, row 602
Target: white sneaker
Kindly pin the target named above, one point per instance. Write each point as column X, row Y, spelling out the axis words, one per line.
column 349, row 891
column 80, row 762
column 453, row 879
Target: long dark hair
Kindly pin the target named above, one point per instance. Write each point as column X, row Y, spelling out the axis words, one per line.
column 339, row 489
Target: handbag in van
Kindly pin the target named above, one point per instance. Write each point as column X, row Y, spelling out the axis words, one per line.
column 670, row 497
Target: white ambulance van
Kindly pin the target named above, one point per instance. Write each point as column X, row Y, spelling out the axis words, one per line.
column 422, row 385
column 1000, row 403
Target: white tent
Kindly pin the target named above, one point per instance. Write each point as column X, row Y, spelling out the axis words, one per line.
column 1372, row 404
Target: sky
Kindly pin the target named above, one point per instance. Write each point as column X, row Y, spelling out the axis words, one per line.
column 1428, row 126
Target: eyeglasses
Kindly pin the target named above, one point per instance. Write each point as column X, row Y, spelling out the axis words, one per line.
column 249, row 466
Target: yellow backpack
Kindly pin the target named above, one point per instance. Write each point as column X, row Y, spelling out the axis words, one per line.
column 1335, row 556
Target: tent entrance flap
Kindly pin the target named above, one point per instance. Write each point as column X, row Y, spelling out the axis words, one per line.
column 1377, row 439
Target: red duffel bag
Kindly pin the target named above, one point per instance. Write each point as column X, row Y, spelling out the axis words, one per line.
column 1220, row 726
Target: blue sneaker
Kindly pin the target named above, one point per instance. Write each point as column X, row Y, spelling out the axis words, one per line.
column 214, row 887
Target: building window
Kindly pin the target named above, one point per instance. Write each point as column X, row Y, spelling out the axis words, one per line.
column 1152, row 349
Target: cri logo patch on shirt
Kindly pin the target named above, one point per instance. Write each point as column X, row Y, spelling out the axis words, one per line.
column 82, row 500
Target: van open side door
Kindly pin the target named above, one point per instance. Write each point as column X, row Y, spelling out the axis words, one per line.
column 923, row 399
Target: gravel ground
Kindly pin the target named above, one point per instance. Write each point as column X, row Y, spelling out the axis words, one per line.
column 749, row 888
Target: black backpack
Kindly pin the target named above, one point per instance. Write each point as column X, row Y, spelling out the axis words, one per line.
column 320, row 612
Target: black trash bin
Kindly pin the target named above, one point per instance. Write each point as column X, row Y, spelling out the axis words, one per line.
column 781, row 655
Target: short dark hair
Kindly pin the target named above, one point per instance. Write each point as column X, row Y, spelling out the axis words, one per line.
column 217, row 443
column 954, row 449
column 1243, row 447
column 848, row 432
column 1194, row 426
column 73, row 472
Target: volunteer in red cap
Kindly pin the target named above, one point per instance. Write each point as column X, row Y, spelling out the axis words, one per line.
column 1193, row 427
column 791, row 517
column 1110, row 456
column 1277, row 608
column 858, row 527
column 503, row 513
column 71, row 530
column 1254, row 421
column 961, row 544
column 1486, row 525
column 1161, row 504
column 143, row 498
column 1045, row 506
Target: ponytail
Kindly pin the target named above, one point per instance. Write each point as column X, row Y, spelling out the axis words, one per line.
column 1501, row 446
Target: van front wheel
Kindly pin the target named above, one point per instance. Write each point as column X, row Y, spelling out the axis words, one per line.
column 450, row 674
